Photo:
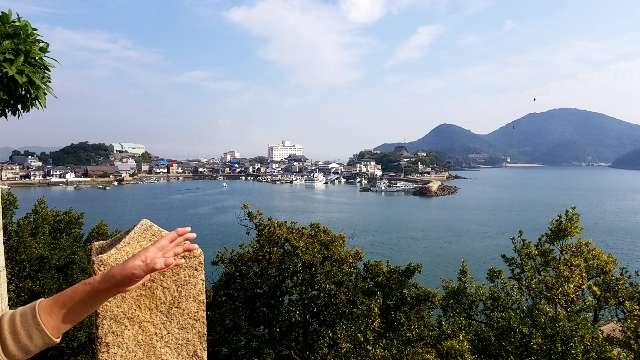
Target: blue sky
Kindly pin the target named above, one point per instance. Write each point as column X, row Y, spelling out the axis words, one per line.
column 199, row 77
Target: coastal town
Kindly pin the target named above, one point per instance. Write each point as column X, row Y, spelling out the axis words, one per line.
column 284, row 163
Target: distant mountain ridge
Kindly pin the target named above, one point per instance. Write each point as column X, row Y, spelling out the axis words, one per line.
column 447, row 138
column 554, row 137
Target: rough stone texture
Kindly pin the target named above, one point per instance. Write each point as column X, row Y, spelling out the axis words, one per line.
column 164, row 318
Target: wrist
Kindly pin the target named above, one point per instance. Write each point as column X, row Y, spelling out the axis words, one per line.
column 107, row 283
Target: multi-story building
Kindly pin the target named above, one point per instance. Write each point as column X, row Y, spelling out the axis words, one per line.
column 9, row 172
column 278, row 152
column 126, row 165
column 369, row 167
column 100, row 171
column 36, row 174
column 174, row 168
column 26, row 161
column 128, row 148
column 230, row 155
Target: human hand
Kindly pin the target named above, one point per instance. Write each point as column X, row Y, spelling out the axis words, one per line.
column 162, row 255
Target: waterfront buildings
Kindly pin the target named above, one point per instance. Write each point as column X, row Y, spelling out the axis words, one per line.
column 100, row 171
column 127, row 165
column 9, row 172
column 369, row 168
column 127, row 148
column 278, row 152
column 230, row 155
column 26, row 161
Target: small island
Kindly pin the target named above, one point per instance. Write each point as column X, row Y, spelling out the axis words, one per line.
column 435, row 188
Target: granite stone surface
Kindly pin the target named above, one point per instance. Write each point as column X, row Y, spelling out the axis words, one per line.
column 164, row 318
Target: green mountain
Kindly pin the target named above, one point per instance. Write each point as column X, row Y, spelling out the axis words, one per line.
column 630, row 160
column 564, row 136
column 447, row 138
column 554, row 137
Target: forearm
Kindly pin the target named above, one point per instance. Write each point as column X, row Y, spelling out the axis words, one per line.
column 62, row 311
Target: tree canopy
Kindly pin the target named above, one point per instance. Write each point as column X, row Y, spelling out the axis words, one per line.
column 298, row 291
column 82, row 153
column 25, row 67
column 50, row 252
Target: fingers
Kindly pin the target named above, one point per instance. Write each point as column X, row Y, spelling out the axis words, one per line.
column 176, row 234
column 165, row 263
column 180, row 249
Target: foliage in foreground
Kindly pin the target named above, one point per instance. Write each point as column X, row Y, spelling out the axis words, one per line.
column 25, row 68
column 47, row 252
column 297, row 291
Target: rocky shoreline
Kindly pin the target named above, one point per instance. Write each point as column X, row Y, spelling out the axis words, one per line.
column 435, row 190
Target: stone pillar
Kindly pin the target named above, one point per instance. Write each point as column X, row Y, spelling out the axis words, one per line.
column 164, row 318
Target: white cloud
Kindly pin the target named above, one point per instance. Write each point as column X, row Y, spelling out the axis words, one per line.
column 600, row 76
column 508, row 26
column 363, row 11
column 311, row 40
column 417, row 45
column 208, row 80
column 97, row 48
column 26, row 7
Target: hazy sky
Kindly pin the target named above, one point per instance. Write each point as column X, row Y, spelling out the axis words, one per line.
column 198, row 77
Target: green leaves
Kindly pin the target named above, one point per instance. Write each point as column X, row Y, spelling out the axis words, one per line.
column 47, row 252
column 297, row 291
column 25, row 69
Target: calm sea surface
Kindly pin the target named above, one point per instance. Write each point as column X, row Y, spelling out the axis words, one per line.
column 475, row 224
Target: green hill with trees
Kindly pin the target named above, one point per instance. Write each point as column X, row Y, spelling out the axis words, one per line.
column 82, row 153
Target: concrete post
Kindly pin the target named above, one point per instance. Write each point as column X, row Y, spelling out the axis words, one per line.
column 164, row 318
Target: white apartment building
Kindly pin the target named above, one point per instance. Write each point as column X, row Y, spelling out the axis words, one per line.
column 26, row 161
column 369, row 167
column 128, row 148
column 277, row 152
column 230, row 155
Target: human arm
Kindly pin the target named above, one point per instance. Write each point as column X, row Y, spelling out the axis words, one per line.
column 34, row 327
column 62, row 311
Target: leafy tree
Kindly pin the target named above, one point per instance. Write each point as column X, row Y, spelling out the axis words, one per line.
column 49, row 252
column 9, row 208
column 20, row 153
column 25, row 78
column 25, row 67
column 45, row 158
column 82, row 153
column 298, row 292
column 144, row 158
column 547, row 305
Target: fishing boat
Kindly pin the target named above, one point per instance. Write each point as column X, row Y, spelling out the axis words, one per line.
column 315, row 179
column 386, row 186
